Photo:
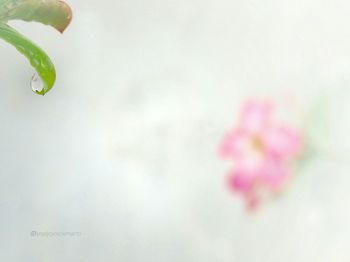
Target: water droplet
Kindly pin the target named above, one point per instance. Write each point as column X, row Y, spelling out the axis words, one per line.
column 36, row 83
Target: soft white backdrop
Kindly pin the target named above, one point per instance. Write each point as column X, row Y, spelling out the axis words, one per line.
column 123, row 149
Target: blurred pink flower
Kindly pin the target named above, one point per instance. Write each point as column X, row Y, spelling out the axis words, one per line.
column 262, row 150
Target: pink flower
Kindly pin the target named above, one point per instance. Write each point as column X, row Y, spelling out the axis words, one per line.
column 263, row 152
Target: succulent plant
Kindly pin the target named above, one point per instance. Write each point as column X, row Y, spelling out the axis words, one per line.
column 55, row 13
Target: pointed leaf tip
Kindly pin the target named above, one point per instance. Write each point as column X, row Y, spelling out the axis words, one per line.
column 56, row 13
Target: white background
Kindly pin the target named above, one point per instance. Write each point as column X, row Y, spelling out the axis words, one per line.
column 123, row 149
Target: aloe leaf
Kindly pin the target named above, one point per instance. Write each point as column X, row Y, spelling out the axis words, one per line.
column 55, row 13
column 36, row 56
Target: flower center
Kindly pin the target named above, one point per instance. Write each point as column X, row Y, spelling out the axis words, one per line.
column 257, row 144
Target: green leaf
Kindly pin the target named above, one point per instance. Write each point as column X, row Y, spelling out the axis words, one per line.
column 37, row 57
column 55, row 13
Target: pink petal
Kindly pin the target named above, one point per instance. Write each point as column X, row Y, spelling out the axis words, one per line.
column 269, row 173
column 274, row 173
column 283, row 142
column 245, row 184
column 252, row 202
column 234, row 144
column 255, row 115
column 241, row 181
